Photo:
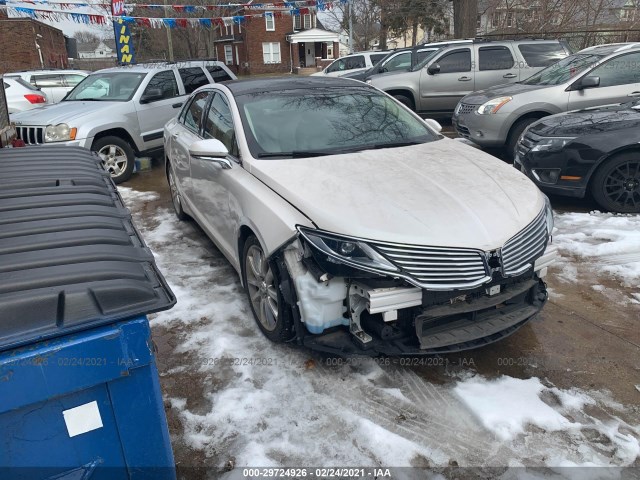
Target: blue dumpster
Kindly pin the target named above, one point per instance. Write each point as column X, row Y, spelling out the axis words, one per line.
column 79, row 391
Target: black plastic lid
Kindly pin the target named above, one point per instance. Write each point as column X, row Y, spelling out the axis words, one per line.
column 70, row 256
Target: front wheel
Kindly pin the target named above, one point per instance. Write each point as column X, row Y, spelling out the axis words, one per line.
column 616, row 184
column 117, row 157
column 262, row 285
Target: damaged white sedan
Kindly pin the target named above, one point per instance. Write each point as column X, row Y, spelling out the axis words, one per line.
column 355, row 226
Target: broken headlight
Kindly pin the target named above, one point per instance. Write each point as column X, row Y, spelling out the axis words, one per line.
column 347, row 250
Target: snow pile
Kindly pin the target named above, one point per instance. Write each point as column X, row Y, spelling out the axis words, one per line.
column 603, row 241
column 263, row 404
column 131, row 196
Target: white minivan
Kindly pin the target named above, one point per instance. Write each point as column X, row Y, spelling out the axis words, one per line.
column 355, row 62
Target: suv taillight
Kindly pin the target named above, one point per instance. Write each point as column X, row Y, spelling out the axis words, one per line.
column 34, row 98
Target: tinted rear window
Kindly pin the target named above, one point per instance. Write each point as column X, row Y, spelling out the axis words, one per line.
column 541, row 54
column 495, row 58
column 376, row 58
column 193, row 78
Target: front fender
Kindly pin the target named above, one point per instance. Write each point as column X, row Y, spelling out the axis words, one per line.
column 127, row 122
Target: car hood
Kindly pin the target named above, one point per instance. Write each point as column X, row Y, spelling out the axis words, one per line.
column 590, row 121
column 63, row 112
column 442, row 193
column 505, row 90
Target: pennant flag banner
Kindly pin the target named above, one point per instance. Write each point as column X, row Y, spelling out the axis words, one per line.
column 287, row 8
column 291, row 6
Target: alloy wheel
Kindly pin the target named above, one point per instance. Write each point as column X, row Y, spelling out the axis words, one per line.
column 261, row 287
column 114, row 159
column 622, row 185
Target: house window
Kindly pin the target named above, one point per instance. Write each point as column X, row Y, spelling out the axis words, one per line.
column 509, row 19
column 228, row 55
column 495, row 19
column 271, row 52
column 479, row 22
column 297, row 22
column 329, row 51
column 270, row 21
column 307, row 22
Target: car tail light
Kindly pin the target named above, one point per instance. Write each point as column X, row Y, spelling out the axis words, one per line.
column 34, row 98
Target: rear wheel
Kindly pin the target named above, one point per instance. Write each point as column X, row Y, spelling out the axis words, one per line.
column 262, row 285
column 514, row 135
column 616, row 184
column 406, row 101
column 117, row 157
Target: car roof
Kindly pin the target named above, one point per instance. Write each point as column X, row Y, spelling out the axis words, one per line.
column 47, row 71
column 609, row 48
column 248, row 86
column 148, row 67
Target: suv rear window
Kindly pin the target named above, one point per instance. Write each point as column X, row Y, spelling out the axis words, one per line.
column 193, row 78
column 495, row 58
column 541, row 54
column 218, row 73
column 375, row 58
column 356, row 61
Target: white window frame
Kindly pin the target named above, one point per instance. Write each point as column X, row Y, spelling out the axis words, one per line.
column 305, row 17
column 297, row 22
column 271, row 50
column 270, row 19
column 228, row 55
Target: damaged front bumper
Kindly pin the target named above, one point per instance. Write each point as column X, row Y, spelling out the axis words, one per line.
column 371, row 315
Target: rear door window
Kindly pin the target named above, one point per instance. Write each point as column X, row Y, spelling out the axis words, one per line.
column 376, row 57
column 541, row 54
column 495, row 58
column 47, row 81
column 193, row 78
column 356, row 61
column 456, row 61
column 218, row 73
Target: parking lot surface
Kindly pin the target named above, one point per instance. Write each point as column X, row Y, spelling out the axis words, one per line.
column 563, row 391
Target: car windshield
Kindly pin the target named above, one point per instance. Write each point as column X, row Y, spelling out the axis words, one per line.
column 564, row 70
column 108, row 87
column 324, row 121
column 425, row 58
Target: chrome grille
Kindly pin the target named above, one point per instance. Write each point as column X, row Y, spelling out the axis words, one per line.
column 519, row 253
column 464, row 108
column 31, row 135
column 437, row 268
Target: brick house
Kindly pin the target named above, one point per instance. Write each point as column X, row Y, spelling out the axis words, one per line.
column 29, row 44
column 277, row 43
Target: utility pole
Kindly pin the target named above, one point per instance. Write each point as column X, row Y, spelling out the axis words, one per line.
column 350, row 26
column 169, row 40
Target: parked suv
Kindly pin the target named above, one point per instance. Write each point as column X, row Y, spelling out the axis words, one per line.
column 120, row 112
column 54, row 83
column 402, row 59
column 435, row 85
column 356, row 62
column 22, row 96
column 600, row 75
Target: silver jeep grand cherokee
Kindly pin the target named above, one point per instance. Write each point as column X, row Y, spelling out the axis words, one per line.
column 119, row 112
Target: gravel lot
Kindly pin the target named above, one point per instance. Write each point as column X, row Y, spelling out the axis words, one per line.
column 563, row 391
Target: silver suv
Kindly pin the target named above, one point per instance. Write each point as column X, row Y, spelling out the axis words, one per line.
column 497, row 117
column 120, row 112
column 435, row 85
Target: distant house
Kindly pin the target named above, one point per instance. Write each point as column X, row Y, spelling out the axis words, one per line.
column 97, row 50
column 276, row 43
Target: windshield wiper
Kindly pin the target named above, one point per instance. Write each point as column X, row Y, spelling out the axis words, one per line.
column 394, row 144
column 295, row 154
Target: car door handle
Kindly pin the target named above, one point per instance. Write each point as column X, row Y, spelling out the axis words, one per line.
column 634, row 94
column 175, row 135
column 176, row 105
column 509, row 75
column 464, row 79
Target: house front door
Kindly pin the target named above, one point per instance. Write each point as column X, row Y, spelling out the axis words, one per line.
column 310, row 54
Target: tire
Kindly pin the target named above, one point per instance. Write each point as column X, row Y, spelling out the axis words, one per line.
column 514, row 135
column 176, row 198
column 616, row 184
column 406, row 101
column 262, row 285
column 117, row 156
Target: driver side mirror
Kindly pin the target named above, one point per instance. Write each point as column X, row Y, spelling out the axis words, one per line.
column 211, row 149
column 433, row 69
column 151, row 95
column 587, row 82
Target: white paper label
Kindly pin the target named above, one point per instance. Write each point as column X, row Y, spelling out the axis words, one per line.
column 82, row 419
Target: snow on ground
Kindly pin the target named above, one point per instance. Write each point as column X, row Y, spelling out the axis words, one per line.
column 602, row 241
column 265, row 404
